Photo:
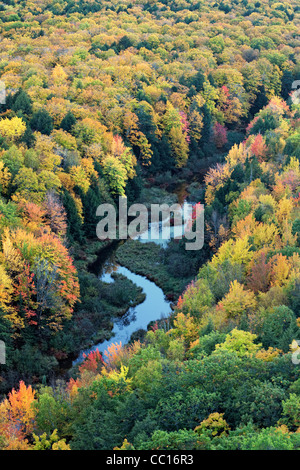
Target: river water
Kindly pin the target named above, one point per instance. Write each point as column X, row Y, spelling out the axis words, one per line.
column 155, row 306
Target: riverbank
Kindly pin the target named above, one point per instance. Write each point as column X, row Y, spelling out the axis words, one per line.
column 135, row 322
column 101, row 304
column 147, row 259
column 170, row 269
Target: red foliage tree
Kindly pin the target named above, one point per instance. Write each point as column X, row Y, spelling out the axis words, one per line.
column 91, row 361
column 219, row 135
column 259, row 148
column 258, row 279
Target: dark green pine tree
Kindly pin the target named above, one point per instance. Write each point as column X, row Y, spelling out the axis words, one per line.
column 252, row 169
column 68, row 122
column 28, row 137
column 134, row 186
column 6, row 336
column 21, row 102
column 260, row 101
column 90, row 201
column 74, row 231
column 42, row 122
column 286, row 84
column 198, row 81
column 296, row 231
column 207, row 121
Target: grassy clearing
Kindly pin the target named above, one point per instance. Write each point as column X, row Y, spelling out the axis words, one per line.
column 147, row 259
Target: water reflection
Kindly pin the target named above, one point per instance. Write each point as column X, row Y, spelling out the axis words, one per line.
column 167, row 229
column 155, row 306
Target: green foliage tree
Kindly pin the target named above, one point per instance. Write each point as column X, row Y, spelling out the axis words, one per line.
column 42, row 122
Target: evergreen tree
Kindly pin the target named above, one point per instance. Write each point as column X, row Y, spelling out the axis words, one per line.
column 260, row 101
column 74, row 230
column 68, row 122
column 21, row 102
column 91, row 200
column 95, row 196
column 42, row 122
column 206, row 124
column 134, row 186
column 286, row 84
column 28, row 137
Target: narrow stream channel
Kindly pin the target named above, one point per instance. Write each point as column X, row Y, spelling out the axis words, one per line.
column 155, row 305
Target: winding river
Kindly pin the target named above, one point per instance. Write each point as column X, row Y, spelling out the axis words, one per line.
column 154, row 307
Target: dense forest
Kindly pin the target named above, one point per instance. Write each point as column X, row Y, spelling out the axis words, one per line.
column 130, row 98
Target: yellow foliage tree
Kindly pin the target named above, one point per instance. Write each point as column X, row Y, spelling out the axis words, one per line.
column 12, row 129
column 215, row 423
column 237, row 154
column 44, row 147
column 281, row 269
column 283, row 213
column 5, row 178
column 59, row 76
column 20, row 406
column 239, row 341
column 265, row 235
column 235, row 251
column 238, row 301
column 6, row 289
column 185, row 327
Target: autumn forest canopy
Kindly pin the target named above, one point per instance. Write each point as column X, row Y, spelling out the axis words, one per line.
column 137, row 98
